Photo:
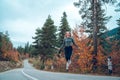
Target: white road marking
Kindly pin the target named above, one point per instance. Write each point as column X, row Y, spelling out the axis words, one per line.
column 33, row 78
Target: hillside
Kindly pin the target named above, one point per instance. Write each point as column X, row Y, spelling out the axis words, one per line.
column 108, row 38
column 112, row 34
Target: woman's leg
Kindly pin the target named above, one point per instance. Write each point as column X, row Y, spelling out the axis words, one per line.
column 68, row 53
column 66, row 57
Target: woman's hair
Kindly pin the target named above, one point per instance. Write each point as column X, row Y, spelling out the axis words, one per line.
column 66, row 33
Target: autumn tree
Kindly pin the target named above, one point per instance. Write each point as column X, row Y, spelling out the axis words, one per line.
column 82, row 58
column 7, row 52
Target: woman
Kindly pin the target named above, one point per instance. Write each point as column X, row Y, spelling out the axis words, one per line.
column 67, row 45
column 109, row 65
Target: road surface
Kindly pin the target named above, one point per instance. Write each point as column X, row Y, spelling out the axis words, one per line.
column 29, row 73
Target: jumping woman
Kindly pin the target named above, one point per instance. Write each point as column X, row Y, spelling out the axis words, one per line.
column 68, row 42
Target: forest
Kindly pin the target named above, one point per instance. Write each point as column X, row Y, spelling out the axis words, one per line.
column 98, row 42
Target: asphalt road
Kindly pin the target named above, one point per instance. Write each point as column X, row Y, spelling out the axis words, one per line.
column 29, row 73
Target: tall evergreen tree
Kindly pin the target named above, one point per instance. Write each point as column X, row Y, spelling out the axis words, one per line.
column 64, row 26
column 95, row 26
column 36, row 43
column 94, row 17
column 48, row 37
column 45, row 39
column 87, row 17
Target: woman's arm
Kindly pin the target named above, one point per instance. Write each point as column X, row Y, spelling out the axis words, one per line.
column 62, row 46
column 74, row 42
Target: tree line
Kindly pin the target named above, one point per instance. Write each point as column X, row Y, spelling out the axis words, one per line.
column 94, row 23
column 50, row 36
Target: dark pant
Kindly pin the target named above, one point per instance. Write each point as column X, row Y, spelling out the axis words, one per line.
column 109, row 71
column 68, row 52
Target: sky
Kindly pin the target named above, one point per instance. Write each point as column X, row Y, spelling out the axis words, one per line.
column 22, row 17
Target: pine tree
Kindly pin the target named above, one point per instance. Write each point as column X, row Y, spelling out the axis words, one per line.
column 102, row 19
column 45, row 39
column 36, row 43
column 94, row 20
column 48, row 37
column 26, row 49
column 31, row 50
column 20, row 49
column 64, row 26
column 93, row 17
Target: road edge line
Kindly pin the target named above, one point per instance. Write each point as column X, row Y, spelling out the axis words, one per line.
column 33, row 78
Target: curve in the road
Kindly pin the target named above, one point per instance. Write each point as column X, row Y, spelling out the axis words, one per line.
column 33, row 78
column 29, row 73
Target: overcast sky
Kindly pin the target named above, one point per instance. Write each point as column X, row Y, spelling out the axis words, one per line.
column 21, row 17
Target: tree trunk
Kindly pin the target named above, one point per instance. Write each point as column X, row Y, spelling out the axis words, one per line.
column 94, row 59
column 95, row 26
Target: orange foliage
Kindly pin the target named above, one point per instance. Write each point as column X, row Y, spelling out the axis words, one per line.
column 8, row 52
column 115, row 54
column 11, row 55
column 59, row 63
column 83, row 56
